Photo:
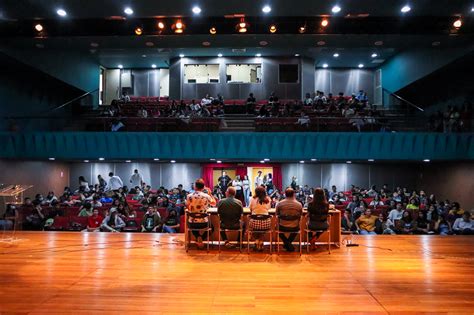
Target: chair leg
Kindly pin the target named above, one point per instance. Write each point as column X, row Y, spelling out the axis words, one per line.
column 307, row 242
column 240, row 240
column 299, row 236
column 248, row 242
column 329, row 241
column 208, row 240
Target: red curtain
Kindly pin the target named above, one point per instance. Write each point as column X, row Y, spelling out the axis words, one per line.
column 208, row 176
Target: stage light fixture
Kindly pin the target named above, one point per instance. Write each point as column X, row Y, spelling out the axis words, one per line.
column 61, row 12
column 39, row 27
column 336, row 9
column 156, row 159
column 219, row 55
column 161, row 25
column 262, row 162
column 405, row 9
column 266, row 160
column 242, row 26
column 128, row 161
column 120, row 66
column 273, row 28
column 301, row 162
column 374, row 55
column 128, row 11
column 266, row 9
column 218, row 162
column 325, row 65
column 426, row 160
column 51, row 159
column 324, row 22
column 314, row 160
column 153, row 66
column 258, row 55
column 336, row 55
column 371, row 160
column 86, row 161
column 349, row 162
column 101, row 159
column 213, row 30
column 302, row 29
column 361, row 65
column 297, row 55
column 172, row 161
column 196, row 10
column 138, row 31
column 457, row 23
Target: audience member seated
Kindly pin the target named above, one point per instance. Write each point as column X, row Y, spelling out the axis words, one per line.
column 151, row 221
column 289, row 211
column 171, row 224
column 464, row 225
column 35, row 221
column 112, row 222
column 94, row 222
column 10, row 217
column 406, row 223
column 230, row 211
column 366, row 223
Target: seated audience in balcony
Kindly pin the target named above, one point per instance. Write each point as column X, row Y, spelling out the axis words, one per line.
column 94, row 222
column 142, row 112
column 125, row 97
column 50, row 198
column 273, row 98
column 464, row 225
column 206, row 100
column 116, row 125
column 151, row 221
column 112, row 222
column 303, row 120
column 263, row 112
column 366, row 223
column 308, row 100
column 362, row 96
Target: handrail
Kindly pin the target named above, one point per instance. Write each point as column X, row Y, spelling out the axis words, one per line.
column 73, row 100
column 403, row 100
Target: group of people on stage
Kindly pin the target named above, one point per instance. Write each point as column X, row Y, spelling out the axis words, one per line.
column 243, row 186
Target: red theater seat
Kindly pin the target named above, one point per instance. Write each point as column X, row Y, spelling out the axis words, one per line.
column 59, row 224
column 77, row 223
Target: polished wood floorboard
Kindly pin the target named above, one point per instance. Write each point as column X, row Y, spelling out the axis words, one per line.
column 87, row 273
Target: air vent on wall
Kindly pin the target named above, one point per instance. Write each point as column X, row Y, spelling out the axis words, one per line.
column 239, row 50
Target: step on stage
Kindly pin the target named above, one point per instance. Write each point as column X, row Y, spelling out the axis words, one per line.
column 84, row 273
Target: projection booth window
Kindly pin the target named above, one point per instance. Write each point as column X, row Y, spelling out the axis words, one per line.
column 244, row 73
column 201, row 73
column 288, row 74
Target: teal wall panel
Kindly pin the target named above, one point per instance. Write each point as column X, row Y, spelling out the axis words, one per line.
column 239, row 146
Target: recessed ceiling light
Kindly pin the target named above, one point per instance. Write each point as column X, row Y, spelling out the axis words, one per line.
column 212, row 159
column 155, row 159
column 302, row 29
column 138, row 31
column 39, row 45
column 436, row 43
column 196, row 10
column 128, row 11
column 219, row 55
column 314, row 160
column 426, row 160
column 181, row 55
column 207, row 44
column 273, row 28
column 336, row 55
column 39, row 27
column 325, row 65
column 219, row 162
column 266, row 160
column 101, row 159
column 297, row 55
column 173, row 161
column 266, row 9
column 143, row 56
column 324, row 23
column 405, row 9
column 153, row 66
column 120, row 66
column 457, row 23
column 51, row 159
column 349, row 162
column 336, row 9
column 472, row 9
column 262, row 161
column 86, row 161
column 371, row 160
column 374, row 55
column 361, row 65
column 128, row 161
column 301, row 162
column 258, row 55
column 61, row 12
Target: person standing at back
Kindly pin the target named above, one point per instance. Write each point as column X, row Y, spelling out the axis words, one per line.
column 289, row 208
column 198, row 202
column 136, row 179
column 230, row 211
column 115, row 182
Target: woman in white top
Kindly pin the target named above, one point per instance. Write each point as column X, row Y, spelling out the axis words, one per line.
column 376, row 202
column 246, row 188
column 83, row 183
column 237, row 183
column 260, row 204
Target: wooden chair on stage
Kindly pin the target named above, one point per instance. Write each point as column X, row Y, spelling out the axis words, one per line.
column 240, row 230
column 281, row 229
column 309, row 232
column 207, row 228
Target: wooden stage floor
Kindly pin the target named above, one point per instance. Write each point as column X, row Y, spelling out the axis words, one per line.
column 85, row 273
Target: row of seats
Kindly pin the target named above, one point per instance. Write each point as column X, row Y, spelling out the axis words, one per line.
column 155, row 124
column 290, row 124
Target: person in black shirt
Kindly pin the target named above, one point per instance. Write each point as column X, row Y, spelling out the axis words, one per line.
column 172, row 223
column 251, row 104
column 224, row 181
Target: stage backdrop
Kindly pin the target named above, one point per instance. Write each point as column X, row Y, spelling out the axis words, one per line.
column 240, row 169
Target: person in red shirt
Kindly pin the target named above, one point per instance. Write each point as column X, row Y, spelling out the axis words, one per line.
column 94, row 222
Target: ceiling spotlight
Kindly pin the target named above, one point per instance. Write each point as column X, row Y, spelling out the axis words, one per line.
column 101, row 159
column 86, row 161
column 324, row 23
column 120, row 66
column 336, row 55
column 219, row 55
column 61, row 12
column 51, row 159
column 128, row 11
column 181, row 55
column 172, row 161
column 336, row 9
column 457, row 23
column 266, row 9
column 325, row 65
column 371, row 160
column 302, row 29
column 314, row 160
column 302, row 162
column 155, row 159
column 262, row 161
column 161, row 25
column 405, row 9
column 266, row 160
column 273, row 28
column 153, row 66
column 39, row 27
column 426, row 160
column 361, row 65
column 128, row 161
column 258, row 55
column 321, row 43
column 297, row 55
column 374, row 55
column 349, row 162
column 213, row 30
column 178, row 27
column 219, row 162
column 196, row 10
column 138, row 31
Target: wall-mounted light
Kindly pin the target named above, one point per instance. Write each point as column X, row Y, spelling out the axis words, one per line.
column 273, row 28
column 178, row 27
column 138, row 31
column 213, row 30
column 324, row 22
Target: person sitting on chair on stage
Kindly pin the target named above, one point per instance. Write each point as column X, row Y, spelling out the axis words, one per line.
column 318, row 211
column 230, row 211
column 289, row 207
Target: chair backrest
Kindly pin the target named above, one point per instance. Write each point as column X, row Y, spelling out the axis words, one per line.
column 260, row 216
column 289, row 217
column 198, row 215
